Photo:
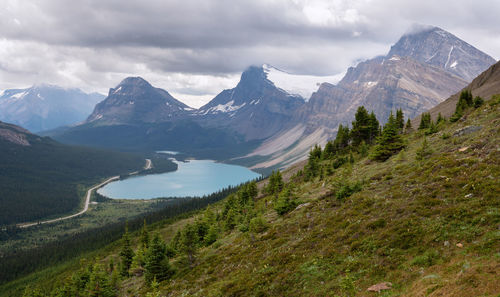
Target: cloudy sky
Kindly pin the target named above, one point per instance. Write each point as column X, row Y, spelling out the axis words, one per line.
column 196, row 48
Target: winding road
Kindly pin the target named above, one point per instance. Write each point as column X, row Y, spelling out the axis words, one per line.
column 148, row 165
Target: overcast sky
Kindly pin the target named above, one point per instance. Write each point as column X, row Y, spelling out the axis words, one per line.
column 195, row 49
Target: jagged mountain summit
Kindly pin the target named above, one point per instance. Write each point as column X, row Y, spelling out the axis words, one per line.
column 437, row 47
column 404, row 78
column 44, row 107
column 256, row 108
column 135, row 100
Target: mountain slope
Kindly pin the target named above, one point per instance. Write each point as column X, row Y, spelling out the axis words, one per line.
column 437, row 47
column 405, row 78
column 134, row 101
column 485, row 85
column 40, row 177
column 45, row 107
column 255, row 108
column 428, row 226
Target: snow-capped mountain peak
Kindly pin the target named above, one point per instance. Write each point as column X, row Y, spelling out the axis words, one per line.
column 297, row 84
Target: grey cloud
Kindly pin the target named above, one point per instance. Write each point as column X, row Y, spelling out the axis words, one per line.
column 93, row 44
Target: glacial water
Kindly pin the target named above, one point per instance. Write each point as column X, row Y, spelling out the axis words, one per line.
column 193, row 178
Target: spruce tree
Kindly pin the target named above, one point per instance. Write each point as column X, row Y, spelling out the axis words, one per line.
column 389, row 143
column 144, row 236
column 126, row 253
column 341, row 142
column 156, row 261
column 329, row 150
column 408, row 127
column 189, row 242
column 361, row 126
column 400, row 121
column 425, row 121
column 374, row 128
column 99, row 284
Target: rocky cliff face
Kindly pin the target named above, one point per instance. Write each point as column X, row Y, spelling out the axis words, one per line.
column 437, row 47
column 420, row 71
column 134, row 100
column 255, row 108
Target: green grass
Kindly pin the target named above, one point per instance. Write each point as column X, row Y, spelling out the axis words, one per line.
column 430, row 227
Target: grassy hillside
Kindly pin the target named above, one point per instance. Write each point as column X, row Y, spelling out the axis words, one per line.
column 426, row 220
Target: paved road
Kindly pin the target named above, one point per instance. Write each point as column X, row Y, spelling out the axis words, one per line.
column 85, row 208
column 148, row 165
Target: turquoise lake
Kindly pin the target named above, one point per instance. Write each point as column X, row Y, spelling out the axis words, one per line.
column 193, row 178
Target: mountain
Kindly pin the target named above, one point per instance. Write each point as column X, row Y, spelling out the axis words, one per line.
column 40, row 177
column 45, row 107
column 405, row 78
column 256, row 108
column 135, row 100
column 437, row 47
column 422, row 223
column 136, row 116
column 485, row 85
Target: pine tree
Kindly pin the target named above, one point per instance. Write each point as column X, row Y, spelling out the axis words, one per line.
column 189, row 242
column 126, row 253
column 99, row 284
column 424, row 151
column 156, row 261
column 341, row 142
column 425, row 121
column 285, row 202
column 144, row 236
column 374, row 128
column 408, row 127
column 361, row 126
column 464, row 101
column 275, row 184
column 389, row 143
column 329, row 150
column 400, row 121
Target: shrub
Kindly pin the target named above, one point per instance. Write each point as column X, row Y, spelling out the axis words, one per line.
column 427, row 259
column 258, row 224
column 285, row 202
column 478, row 101
column 347, row 190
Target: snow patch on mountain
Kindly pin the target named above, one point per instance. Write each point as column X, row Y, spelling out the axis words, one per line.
column 296, row 84
column 224, row 108
column 18, row 95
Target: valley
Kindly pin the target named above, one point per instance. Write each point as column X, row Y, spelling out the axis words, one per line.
column 249, row 148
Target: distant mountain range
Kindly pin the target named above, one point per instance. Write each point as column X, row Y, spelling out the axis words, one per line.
column 45, row 107
column 271, row 117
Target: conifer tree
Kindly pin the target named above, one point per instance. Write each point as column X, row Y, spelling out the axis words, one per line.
column 99, row 284
column 126, row 253
column 425, row 121
column 341, row 142
column 361, row 126
column 329, row 150
column 275, row 184
column 408, row 127
column 389, row 143
column 156, row 261
column 374, row 128
column 400, row 121
column 144, row 236
column 189, row 242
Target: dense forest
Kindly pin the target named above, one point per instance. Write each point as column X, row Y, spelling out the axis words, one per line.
column 19, row 263
column 47, row 178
